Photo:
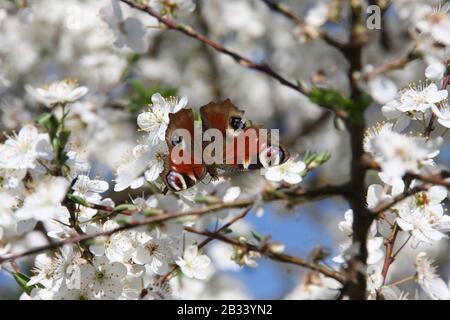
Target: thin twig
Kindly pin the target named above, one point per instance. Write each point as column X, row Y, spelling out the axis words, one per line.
column 281, row 257
column 287, row 12
column 154, row 219
column 166, row 277
column 190, row 32
column 429, row 128
column 268, row 196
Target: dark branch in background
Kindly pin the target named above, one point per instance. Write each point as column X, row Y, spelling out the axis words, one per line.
column 174, row 215
column 246, row 62
column 269, row 195
column 383, row 207
column 146, row 221
column 445, row 83
column 213, row 68
column 393, row 65
column 281, row 257
column 307, row 128
column 288, row 13
column 355, row 287
column 240, row 216
column 386, row 41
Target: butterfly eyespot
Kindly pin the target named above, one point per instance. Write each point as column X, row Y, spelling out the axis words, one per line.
column 176, row 140
column 272, row 156
column 236, row 123
column 176, row 181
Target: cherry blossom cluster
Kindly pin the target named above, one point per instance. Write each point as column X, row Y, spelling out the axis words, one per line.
column 81, row 156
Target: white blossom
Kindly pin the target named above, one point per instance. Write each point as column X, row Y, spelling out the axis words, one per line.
column 436, row 24
column 398, row 153
column 442, row 112
column 429, row 281
column 45, row 202
column 89, row 189
column 193, row 264
column 421, row 98
column 155, row 120
column 59, row 92
column 106, row 277
column 154, row 250
column 21, row 151
column 423, row 215
column 128, row 32
column 291, row 172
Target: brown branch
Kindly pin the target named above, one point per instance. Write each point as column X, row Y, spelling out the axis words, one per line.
column 392, row 65
column 307, row 128
column 429, row 128
column 149, row 220
column 383, row 207
column 281, row 257
column 165, row 216
column 289, row 14
column 190, row 32
column 166, row 277
column 436, row 179
column 285, row 11
column 389, row 257
column 355, row 286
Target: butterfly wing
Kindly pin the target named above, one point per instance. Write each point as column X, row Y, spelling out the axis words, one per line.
column 246, row 146
column 181, row 170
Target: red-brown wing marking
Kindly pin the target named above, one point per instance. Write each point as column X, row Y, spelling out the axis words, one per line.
column 218, row 114
column 181, row 176
column 227, row 118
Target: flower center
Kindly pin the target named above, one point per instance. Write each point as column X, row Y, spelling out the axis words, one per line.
column 100, row 276
column 151, row 248
column 437, row 17
column 422, row 200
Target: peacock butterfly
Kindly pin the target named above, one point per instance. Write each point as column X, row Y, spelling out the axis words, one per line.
column 226, row 143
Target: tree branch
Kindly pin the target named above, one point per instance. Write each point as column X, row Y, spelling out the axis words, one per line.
column 190, row 32
column 240, row 216
column 273, row 195
column 264, row 250
column 429, row 128
column 355, row 287
column 289, row 14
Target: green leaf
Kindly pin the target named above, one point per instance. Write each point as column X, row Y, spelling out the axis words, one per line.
column 43, row 118
column 257, row 236
column 78, row 200
column 330, row 98
column 142, row 96
column 227, row 231
column 50, row 123
column 22, row 281
column 206, row 199
column 139, row 88
column 124, row 207
column 55, row 144
column 333, row 99
column 148, row 212
column 64, row 137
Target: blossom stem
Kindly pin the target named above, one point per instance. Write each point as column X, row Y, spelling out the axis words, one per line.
column 402, row 246
column 396, row 283
column 389, row 258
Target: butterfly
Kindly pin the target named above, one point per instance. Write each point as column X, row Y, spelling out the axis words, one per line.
column 227, row 143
